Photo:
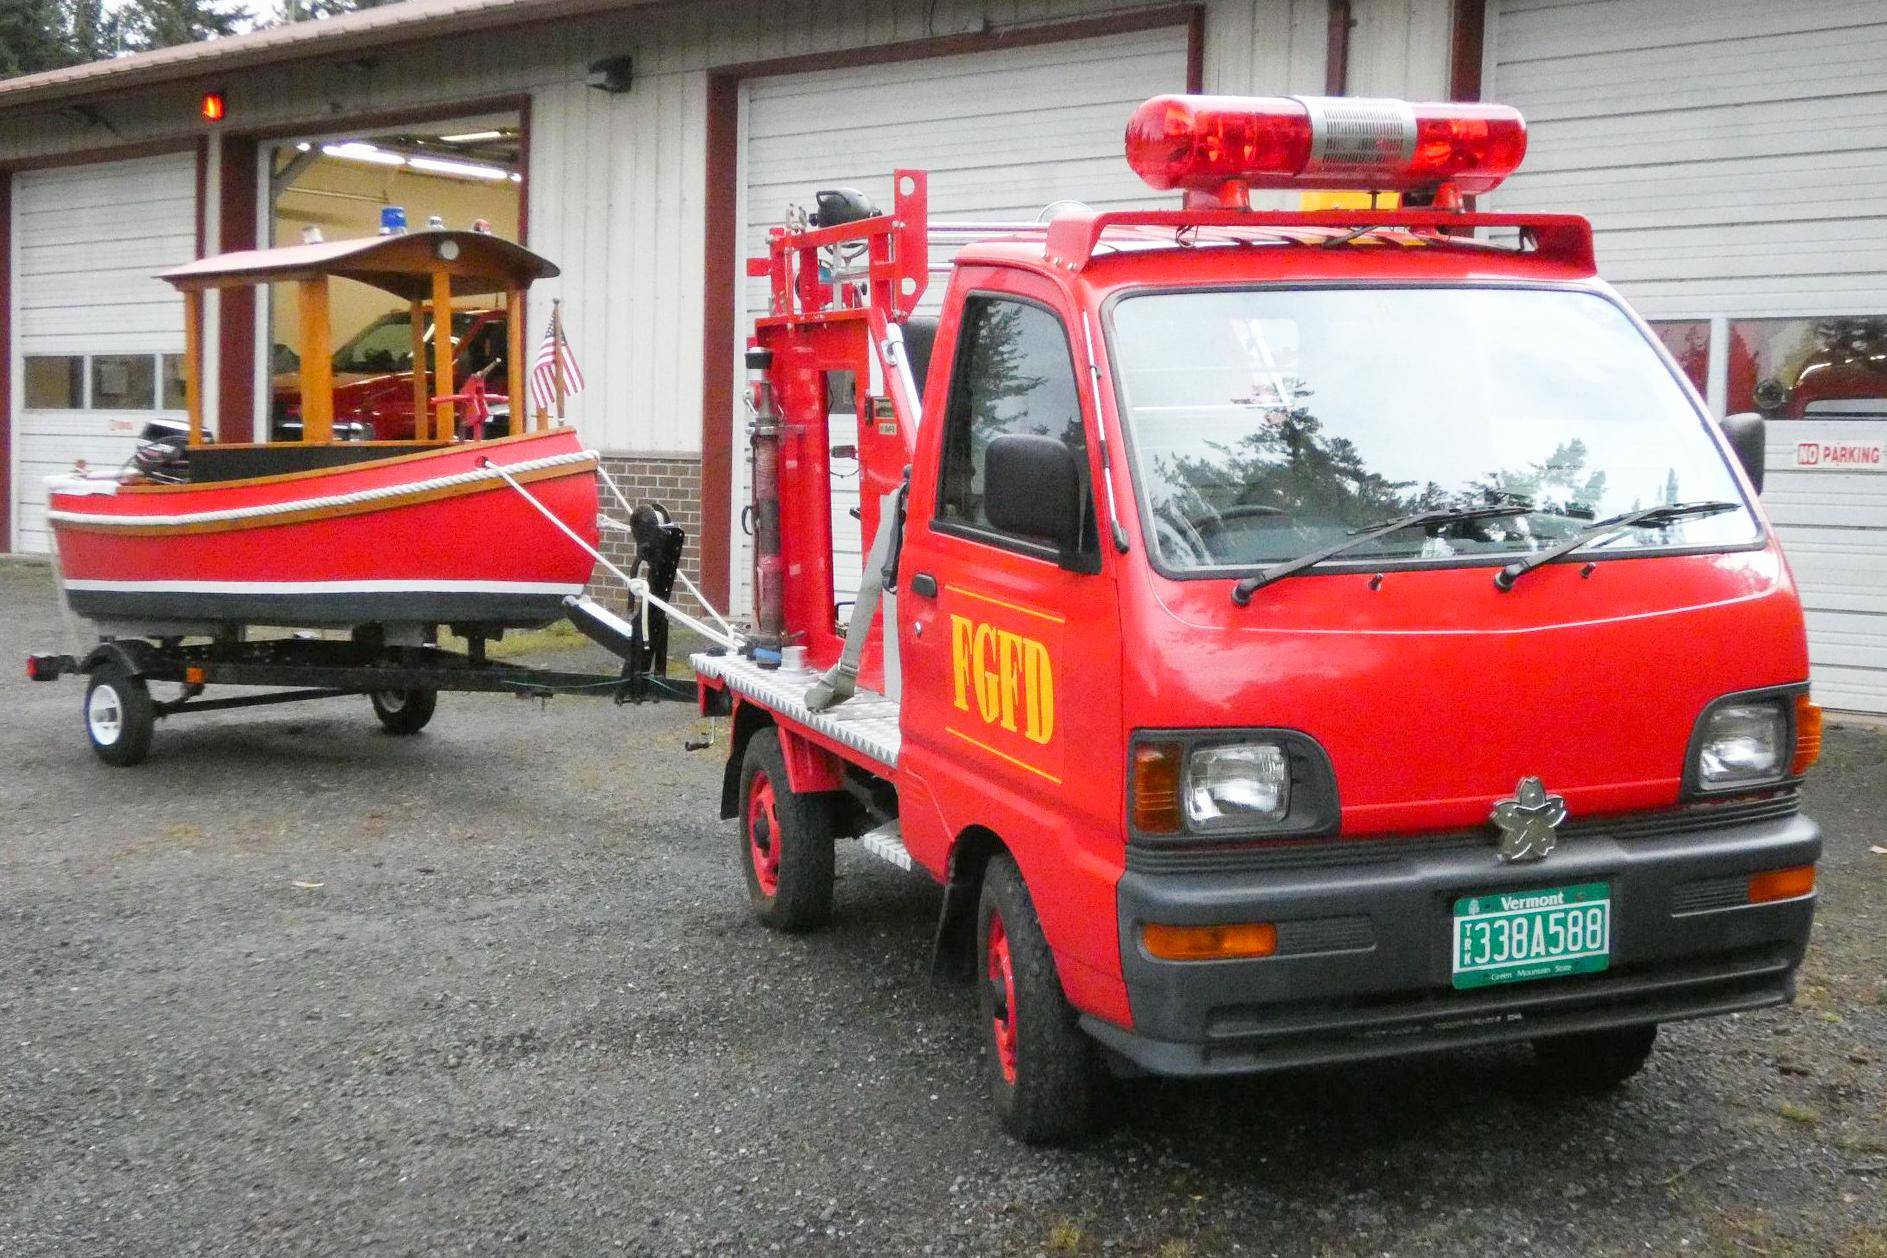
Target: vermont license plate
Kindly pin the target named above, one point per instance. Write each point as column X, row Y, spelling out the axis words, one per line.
column 1514, row 936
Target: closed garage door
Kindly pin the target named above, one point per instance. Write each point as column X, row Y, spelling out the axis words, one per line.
column 1733, row 159
column 97, row 342
column 1002, row 134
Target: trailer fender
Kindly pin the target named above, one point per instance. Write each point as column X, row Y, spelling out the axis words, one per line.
column 137, row 657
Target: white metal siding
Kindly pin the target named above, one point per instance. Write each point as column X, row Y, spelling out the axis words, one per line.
column 86, row 240
column 1732, row 155
column 1001, row 134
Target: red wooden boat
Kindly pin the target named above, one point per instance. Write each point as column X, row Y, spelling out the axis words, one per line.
column 322, row 532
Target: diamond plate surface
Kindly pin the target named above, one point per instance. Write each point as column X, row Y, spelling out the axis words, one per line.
column 867, row 722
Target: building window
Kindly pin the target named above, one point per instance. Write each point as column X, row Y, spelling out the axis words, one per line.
column 1828, row 368
column 174, row 399
column 123, row 382
column 1689, row 343
column 54, row 382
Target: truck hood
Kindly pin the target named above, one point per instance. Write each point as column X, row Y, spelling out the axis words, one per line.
column 1434, row 692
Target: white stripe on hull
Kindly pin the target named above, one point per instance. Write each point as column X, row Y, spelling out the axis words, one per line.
column 416, row 585
column 381, row 493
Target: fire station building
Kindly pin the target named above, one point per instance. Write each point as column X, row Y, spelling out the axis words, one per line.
column 1732, row 154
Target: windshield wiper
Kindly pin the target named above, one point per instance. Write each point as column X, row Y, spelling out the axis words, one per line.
column 1648, row 517
column 1242, row 592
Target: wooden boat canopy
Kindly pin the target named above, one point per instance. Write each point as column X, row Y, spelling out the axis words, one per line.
column 426, row 269
column 474, row 262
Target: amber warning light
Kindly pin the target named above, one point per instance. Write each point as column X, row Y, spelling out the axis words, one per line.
column 1216, row 148
column 212, row 107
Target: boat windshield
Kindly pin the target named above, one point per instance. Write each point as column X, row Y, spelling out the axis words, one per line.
column 386, row 344
column 1269, row 423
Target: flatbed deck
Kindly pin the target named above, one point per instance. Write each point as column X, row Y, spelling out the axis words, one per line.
column 867, row 722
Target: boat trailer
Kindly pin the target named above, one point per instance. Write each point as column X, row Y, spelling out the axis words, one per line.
column 402, row 681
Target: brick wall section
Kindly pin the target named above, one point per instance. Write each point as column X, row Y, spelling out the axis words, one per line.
column 675, row 483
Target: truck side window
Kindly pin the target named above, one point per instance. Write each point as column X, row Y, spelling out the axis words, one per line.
column 1013, row 374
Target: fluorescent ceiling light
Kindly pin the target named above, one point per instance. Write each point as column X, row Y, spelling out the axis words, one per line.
column 472, row 137
column 355, row 151
column 464, row 170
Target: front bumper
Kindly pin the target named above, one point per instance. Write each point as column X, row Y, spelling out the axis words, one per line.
column 1363, row 962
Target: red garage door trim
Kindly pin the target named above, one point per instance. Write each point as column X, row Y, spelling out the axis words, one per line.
column 723, row 232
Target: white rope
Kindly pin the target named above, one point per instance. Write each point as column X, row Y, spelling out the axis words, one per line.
column 491, row 471
column 603, row 473
column 638, row 588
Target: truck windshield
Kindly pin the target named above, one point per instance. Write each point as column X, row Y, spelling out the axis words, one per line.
column 386, row 344
column 1269, row 423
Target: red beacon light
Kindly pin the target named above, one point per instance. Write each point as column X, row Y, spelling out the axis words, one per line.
column 1217, row 148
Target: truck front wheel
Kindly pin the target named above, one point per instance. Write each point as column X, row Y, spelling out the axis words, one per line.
column 1044, row 1070
column 785, row 841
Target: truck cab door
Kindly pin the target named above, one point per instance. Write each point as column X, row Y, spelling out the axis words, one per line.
column 1010, row 650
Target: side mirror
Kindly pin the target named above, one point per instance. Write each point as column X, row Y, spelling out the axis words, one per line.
column 1745, row 434
column 1032, row 488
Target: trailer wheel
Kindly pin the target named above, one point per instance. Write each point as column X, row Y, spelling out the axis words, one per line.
column 785, row 841
column 119, row 716
column 404, row 711
column 1045, row 1072
column 1594, row 1061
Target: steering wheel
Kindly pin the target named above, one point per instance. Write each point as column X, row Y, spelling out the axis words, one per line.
column 1193, row 533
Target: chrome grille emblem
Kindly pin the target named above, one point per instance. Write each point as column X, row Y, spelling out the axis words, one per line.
column 1528, row 822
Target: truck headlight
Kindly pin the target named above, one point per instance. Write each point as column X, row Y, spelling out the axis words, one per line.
column 1743, row 742
column 1231, row 784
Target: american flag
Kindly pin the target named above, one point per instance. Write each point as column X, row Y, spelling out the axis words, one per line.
column 552, row 356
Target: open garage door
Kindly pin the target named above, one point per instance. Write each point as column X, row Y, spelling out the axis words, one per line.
column 1738, row 205
column 1002, row 134
column 97, row 343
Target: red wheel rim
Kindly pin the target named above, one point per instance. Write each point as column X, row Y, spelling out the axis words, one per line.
column 763, row 834
column 1002, row 998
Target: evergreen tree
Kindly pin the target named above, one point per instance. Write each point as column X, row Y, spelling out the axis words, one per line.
column 150, row 24
column 32, row 37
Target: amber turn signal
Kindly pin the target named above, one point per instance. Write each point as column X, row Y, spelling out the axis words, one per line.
column 1781, row 884
column 1807, row 735
column 1209, row 943
column 1156, row 787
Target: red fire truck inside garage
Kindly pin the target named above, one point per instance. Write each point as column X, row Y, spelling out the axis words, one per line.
column 1286, row 637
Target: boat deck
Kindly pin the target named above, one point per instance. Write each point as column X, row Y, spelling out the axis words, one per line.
column 867, row 722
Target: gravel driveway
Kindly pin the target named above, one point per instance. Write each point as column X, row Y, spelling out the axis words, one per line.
column 294, row 986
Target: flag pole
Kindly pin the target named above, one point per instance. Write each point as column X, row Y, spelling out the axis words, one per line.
column 556, row 358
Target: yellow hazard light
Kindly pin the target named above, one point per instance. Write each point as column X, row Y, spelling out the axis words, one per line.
column 1209, row 943
column 1781, row 884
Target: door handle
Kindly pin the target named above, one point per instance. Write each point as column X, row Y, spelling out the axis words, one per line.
column 924, row 583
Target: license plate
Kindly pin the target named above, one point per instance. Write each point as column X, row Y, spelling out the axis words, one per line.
column 1515, row 936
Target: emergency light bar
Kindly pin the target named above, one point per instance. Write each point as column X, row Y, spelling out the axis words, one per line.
column 1218, row 147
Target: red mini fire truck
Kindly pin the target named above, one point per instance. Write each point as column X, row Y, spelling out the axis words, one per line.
column 1287, row 637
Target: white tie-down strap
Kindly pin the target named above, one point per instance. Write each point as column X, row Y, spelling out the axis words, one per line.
column 638, row 588
column 487, row 471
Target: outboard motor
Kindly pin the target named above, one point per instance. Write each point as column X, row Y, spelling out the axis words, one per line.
column 163, row 453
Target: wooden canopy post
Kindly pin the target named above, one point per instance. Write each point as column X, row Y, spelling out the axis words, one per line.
column 193, row 362
column 442, row 365
column 422, row 391
column 514, row 360
column 317, row 361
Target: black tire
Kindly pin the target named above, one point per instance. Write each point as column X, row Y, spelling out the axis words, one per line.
column 1047, row 1087
column 404, row 711
column 119, row 716
column 786, row 841
column 1594, row 1061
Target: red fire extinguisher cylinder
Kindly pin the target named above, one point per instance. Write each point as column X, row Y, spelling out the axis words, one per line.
column 769, row 565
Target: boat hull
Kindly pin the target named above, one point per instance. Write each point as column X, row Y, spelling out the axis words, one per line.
column 435, row 537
